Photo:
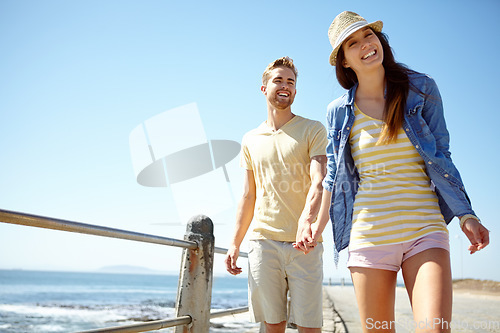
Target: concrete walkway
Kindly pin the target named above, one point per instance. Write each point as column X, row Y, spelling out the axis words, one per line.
column 472, row 312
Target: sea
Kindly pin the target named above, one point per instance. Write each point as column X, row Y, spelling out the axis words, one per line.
column 40, row 301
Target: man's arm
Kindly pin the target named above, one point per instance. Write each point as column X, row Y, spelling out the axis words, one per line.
column 323, row 215
column 244, row 216
column 304, row 240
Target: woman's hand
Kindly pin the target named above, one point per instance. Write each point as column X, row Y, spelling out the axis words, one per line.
column 477, row 234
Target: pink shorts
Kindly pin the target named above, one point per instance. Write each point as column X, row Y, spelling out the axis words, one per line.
column 391, row 257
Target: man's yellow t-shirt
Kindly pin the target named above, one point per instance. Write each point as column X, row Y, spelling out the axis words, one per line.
column 280, row 161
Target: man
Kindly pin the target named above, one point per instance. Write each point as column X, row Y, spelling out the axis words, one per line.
column 285, row 164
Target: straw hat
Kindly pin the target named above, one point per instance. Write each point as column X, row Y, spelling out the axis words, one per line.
column 344, row 25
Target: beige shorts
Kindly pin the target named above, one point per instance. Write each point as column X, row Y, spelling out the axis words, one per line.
column 276, row 268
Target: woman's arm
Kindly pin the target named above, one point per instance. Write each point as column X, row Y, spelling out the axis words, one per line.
column 433, row 115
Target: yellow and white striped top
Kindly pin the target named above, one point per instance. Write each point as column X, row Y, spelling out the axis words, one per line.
column 395, row 202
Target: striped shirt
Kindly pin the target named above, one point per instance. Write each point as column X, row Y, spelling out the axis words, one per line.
column 395, row 202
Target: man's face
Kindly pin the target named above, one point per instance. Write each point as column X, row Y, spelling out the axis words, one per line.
column 280, row 88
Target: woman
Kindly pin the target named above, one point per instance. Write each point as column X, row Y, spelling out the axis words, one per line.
column 391, row 182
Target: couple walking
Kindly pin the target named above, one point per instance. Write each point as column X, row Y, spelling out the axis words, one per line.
column 381, row 172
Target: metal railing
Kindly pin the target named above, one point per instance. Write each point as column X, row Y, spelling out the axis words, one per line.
column 194, row 292
column 165, row 323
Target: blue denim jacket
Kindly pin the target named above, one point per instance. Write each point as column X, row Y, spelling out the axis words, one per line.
column 425, row 127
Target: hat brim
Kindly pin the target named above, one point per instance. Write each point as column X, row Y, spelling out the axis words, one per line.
column 377, row 26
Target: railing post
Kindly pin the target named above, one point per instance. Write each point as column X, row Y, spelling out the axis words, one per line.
column 194, row 294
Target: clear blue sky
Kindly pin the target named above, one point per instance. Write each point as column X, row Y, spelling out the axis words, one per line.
column 76, row 77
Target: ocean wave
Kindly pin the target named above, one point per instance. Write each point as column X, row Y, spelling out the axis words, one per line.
column 81, row 313
column 31, row 302
column 64, row 318
column 234, row 323
column 89, row 290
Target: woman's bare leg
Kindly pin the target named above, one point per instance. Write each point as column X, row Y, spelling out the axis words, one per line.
column 428, row 281
column 375, row 293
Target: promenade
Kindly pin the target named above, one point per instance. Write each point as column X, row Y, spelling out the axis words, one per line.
column 473, row 312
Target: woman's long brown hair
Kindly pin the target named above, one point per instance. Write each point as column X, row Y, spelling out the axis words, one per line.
column 397, row 87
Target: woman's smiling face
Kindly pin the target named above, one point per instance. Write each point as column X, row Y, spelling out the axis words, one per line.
column 362, row 50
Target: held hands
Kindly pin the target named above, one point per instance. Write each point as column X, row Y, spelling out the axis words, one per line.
column 477, row 234
column 231, row 257
column 307, row 237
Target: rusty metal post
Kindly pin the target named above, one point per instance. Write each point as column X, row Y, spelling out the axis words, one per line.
column 194, row 293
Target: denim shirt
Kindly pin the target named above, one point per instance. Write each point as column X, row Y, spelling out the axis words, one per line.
column 425, row 127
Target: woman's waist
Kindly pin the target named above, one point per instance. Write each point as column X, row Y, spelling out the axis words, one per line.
column 397, row 223
column 401, row 187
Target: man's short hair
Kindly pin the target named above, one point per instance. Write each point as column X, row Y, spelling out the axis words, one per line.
column 281, row 62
